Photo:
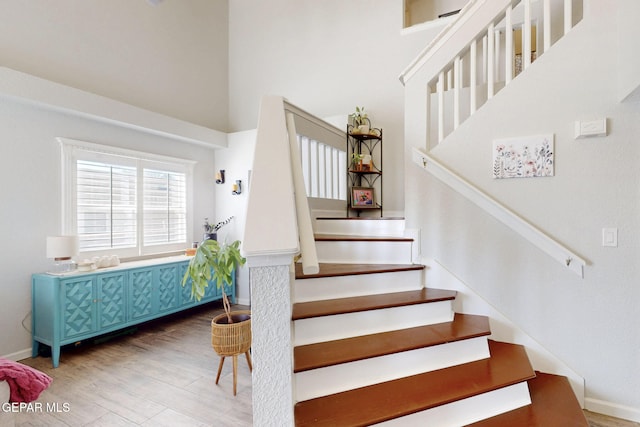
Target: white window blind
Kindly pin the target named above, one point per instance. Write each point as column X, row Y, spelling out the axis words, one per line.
column 165, row 211
column 106, row 206
column 125, row 202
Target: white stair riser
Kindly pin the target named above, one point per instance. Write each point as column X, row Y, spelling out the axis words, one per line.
column 364, row 252
column 360, row 227
column 329, row 328
column 347, row 376
column 323, row 288
column 470, row 410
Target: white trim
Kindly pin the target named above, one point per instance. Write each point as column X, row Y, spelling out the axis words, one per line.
column 65, row 99
column 139, row 159
column 612, row 409
column 502, row 213
column 288, row 107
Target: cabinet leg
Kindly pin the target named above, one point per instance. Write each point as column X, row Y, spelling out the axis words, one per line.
column 35, row 348
column 55, row 355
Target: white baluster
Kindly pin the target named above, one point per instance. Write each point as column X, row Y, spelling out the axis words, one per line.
column 490, row 54
column 496, row 55
column 508, row 46
column 546, row 18
column 568, row 18
column 484, row 59
column 526, row 35
column 440, row 107
column 428, row 114
column 457, row 82
column 472, row 76
column 315, row 165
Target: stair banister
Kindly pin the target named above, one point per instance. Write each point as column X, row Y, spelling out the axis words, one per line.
column 551, row 247
column 303, row 216
column 451, row 42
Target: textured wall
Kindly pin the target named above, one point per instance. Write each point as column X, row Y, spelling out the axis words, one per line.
column 271, row 347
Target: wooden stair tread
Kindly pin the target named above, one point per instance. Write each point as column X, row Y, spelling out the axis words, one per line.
column 346, row 350
column 305, row 310
column 553, row 404
column 335, row 270
column 508, row 365
column 357, row 218
column 358, row 238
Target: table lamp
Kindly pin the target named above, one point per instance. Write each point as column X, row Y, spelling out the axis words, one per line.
column 61, row 249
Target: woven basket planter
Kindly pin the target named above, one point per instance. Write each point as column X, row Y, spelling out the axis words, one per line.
column 231, row 339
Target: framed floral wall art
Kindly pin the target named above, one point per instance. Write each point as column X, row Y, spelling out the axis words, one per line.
column 523, row 157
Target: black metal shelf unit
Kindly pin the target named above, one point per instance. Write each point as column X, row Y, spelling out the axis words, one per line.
column 364, row 180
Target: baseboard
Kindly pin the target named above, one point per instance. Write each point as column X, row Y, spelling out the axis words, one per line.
column 243, row 301
column 612, row 409
column 18, row 355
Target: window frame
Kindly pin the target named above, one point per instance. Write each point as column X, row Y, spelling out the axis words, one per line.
column 73, row 150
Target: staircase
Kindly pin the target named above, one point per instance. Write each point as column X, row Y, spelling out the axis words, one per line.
column 373, row 345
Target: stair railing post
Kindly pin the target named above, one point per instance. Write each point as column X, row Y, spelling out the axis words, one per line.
column 508, row 46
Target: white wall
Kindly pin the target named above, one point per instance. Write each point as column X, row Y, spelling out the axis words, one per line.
column 236, row 160
column 31, row 205
column 170, row 58
column 588, row 323
column 325, row 57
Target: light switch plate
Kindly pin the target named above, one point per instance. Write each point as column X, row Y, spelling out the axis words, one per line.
column 610, row 237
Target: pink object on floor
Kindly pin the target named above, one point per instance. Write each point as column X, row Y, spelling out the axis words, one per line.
column 25, row 382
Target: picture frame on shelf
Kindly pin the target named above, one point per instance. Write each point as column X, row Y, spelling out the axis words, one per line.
column 363, row 197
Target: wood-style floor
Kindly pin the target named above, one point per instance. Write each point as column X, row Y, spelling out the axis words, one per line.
column 163, row 374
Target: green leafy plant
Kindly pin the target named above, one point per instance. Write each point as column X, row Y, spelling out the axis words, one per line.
column 359, row 116
column 213, row 261
column 356, row 158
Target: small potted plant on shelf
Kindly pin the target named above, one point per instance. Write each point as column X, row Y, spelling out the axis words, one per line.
column 231, row 330
column 356, row 161
column 361, row 123
column 211, row 231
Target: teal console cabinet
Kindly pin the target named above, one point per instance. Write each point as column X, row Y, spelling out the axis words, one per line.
column 76, row 306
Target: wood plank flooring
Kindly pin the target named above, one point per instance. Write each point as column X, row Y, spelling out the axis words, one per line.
column 161, row 375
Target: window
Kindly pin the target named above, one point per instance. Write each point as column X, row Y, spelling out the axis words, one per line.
column 124, row 202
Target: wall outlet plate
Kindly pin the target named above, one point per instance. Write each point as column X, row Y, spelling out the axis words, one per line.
column 590, row 128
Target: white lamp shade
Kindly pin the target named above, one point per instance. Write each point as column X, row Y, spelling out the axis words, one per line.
column 62, row 246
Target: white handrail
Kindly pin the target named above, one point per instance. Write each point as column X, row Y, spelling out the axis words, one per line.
column 508, row 217
column 305, row 229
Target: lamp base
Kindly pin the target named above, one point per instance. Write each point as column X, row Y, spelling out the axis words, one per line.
column 61, row 266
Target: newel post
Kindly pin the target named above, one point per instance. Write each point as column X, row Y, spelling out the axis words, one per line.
column 270, row 242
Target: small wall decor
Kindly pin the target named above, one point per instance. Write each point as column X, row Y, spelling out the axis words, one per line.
column 220, row 177
column 523, row 157
column 236, row 188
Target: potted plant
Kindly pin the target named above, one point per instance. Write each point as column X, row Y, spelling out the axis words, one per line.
column 211, row 231
column 361, row 122
column 356, row 161
column 230, row 331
